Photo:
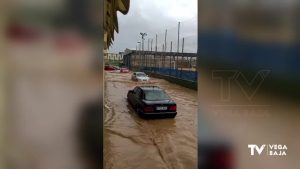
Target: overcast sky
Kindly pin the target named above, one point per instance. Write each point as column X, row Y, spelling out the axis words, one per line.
column 154, row 17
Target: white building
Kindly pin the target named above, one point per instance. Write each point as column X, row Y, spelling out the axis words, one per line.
column 113, row 56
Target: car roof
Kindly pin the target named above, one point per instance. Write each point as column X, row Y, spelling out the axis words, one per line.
column 150, row 88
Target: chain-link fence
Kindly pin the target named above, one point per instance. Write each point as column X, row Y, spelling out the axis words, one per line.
column 178, row 65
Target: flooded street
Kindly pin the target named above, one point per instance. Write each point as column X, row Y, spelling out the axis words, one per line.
column 135, row 143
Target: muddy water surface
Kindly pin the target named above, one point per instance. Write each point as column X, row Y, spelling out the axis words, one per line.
column 134, row 143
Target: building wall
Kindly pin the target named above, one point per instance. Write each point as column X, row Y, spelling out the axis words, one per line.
column 113, row 57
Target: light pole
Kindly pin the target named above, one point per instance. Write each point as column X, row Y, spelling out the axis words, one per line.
column 178, row 37
column 143, row 38
column 156, row 43
column 151, row 44
column 139, row 52
column 135, row 56
column 139, row 45
column 165, row 49
column 148, row 45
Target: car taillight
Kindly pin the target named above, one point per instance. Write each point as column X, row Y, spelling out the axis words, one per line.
column 148, row 109
column 172, row 108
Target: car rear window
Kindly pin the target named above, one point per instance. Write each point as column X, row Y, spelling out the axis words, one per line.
column 140, row 74
column 153, row 95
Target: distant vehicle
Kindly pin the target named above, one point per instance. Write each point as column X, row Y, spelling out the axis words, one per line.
column 108, row 67
column 152, row 101
column 124, row 70
column 117, row 69
column 111, row 68
column 140, row 76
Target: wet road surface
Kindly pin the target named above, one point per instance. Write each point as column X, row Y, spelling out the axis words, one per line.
column 135, row 143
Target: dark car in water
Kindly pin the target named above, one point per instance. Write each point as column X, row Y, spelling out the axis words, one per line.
column 152, row 101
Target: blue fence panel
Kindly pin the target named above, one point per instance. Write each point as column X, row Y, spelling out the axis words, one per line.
column 181, row 74
column 282, row 59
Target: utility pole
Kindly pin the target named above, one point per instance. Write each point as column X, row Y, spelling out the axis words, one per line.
column 148, row 44
column 143, row 38
column 151, row 44
column 163, row 47
column 156, row 43
column 178, row 37
column 139, row 45
column 182, row 45
column 171, row 46
column 166, row 40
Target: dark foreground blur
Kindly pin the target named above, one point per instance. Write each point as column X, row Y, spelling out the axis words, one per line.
column 249, row 81
column 51, row 85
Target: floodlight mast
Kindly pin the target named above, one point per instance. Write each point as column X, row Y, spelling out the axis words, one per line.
column 143, row 38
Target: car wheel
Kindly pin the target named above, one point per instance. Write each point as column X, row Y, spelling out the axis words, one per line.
column 140, row 112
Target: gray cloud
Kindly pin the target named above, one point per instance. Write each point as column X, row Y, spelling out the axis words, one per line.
column 153, row 17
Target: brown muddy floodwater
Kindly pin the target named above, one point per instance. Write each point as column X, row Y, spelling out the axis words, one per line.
column 134, row 143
